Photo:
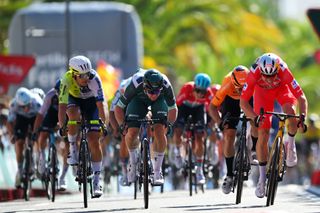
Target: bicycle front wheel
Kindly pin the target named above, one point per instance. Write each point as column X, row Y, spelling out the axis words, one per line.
column 26, row 176
column 272, row 182
column 145, row 173
column 53, row 172
column 83, row 162
column 239, row 167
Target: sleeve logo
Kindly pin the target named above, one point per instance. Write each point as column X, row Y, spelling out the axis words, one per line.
column 294, row 84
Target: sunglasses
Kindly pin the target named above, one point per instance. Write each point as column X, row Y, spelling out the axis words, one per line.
column 153, row 92
column 200, row 91
column 83, row 76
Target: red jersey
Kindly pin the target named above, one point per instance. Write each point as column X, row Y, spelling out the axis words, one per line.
column 284, row 78
column 186, row 96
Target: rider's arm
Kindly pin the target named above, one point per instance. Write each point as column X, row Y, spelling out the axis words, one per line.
column 303, row 105
column 43, row 110
column 102, row 108
column 119, row 114
column 246, row 94
column 172, row 115
column 170, row 100
column 63, row 99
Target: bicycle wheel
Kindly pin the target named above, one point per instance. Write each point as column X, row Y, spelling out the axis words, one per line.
column 272, row 182
column 26, row 176
column 145, row 173
column 83, row 161
column 53, row 172
column 190, row 175
column 240, row 169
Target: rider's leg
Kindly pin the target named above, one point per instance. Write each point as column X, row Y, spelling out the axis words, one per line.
column 73, row 115
column 42, row 141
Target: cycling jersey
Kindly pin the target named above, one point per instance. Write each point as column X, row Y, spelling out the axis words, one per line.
column 15, row 109
column 283, row 78
column 227, row 89
column 50, row 101
column 70, row 86
column 187, row 97
column 135, row 88
column 124, row 83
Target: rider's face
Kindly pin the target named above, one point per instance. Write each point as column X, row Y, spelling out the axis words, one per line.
column 268, row 78
column 81, row 80
column 153, row 97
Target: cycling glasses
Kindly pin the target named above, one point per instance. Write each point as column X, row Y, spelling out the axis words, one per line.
column 83, row 76
column 153, row 91
column 200, row 91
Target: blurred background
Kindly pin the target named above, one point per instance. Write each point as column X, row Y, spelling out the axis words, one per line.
column 178, row 37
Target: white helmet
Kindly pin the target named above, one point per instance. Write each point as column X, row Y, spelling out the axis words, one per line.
column 80, row 64
column 23, row 96
column 269, row 63
column 39, row 92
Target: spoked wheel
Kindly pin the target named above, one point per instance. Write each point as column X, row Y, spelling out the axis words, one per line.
column 83, row 172
column 239, row 175
column 53, row 173
column 190, row 175
column 145, row 174
column 26, row 176
column 272, row 182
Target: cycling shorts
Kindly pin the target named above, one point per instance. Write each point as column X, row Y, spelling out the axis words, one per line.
column 264, row 98
column 198, row 116
column 21, row 126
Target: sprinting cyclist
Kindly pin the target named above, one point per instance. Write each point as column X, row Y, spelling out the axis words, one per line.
column 46, row 120
column 123, row 152
column 150, row 88
column 22, row 113
column 269, row 80
column 193, row 98
column 227, row 98
column 81, row 91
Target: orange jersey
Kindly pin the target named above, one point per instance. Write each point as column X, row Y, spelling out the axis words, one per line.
column 227, row 89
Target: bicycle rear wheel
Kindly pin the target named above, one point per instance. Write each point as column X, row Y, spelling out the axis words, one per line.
column 145, row 174
column 272, row 182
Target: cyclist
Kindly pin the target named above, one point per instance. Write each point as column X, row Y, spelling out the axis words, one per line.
column 150, row 88
column 124, row 154
column 81, row 90
column 270, row 79
column 227, row 98
column 193, row 98
column 22, row 113
column 47, row 119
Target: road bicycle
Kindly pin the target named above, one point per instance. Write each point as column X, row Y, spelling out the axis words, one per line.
column 144, row 166
column 189, row 168
column 28, row 163
column 84, row 171
column 276, row 166
column 52, row 168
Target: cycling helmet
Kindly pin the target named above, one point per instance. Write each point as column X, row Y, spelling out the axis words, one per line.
column 269, row 64
column 23, row 96
column 239, row 75
column 57, row 86
column 39, row 92
column 80, row 65
column 153, row 80
column 202, row 81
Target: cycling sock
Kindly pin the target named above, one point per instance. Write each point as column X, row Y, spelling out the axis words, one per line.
column 291, row 140
column 72, row 138
column 96, row 168
column 229, row 162
column 199, row 162
column 262, row 171
column 64, row 171
column 254, row 143
column 158, row 158
column 133, row 155
column 124, row 163
column 20, row 167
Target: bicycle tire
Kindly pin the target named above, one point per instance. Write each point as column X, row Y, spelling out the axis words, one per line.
column 83, row 167
column 240, row 170
column 145, row 174
column 272, row 181
column 26, row 178
column 190, row 175
column 53, row 173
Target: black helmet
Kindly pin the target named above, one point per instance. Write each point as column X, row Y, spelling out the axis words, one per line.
column 153, row 80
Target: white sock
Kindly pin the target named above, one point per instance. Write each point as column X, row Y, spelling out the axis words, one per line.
column 96, row 168
column 262, row 171
column 133, row 155
column 158, row 158
column 291, row 141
